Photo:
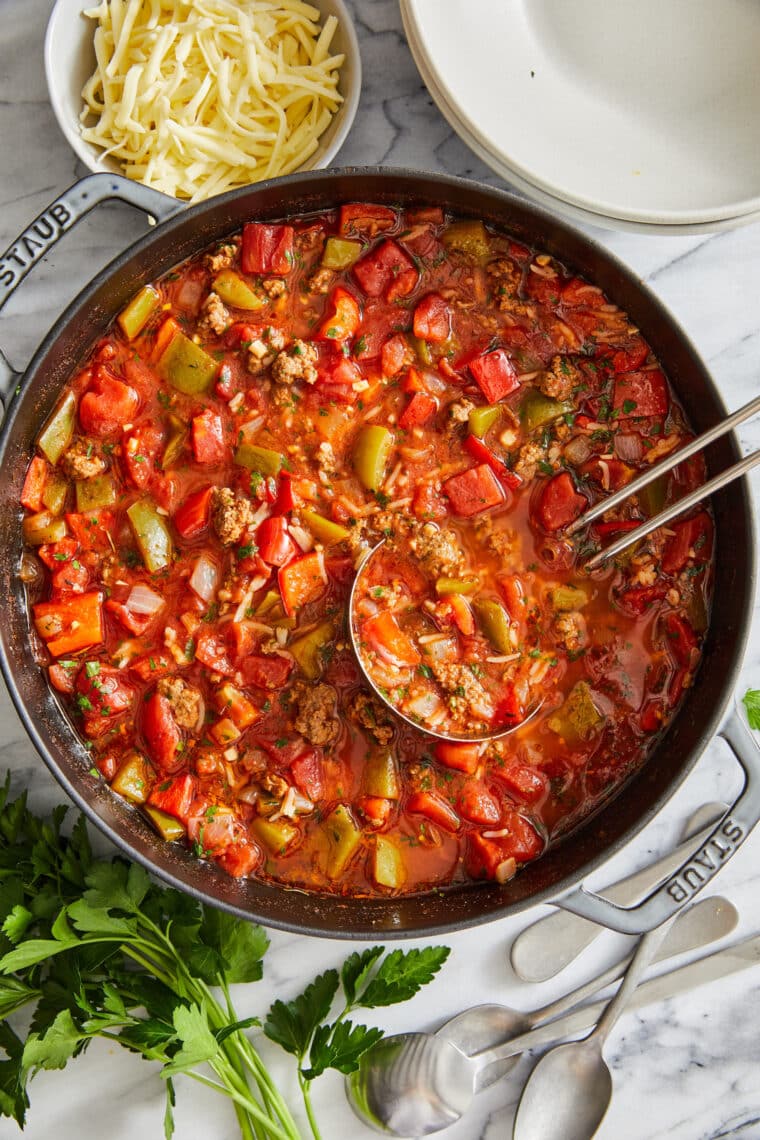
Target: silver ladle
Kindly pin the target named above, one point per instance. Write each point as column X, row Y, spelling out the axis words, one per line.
column 416, row 1084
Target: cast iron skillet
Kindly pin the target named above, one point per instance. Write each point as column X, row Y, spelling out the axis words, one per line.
column 554, row 877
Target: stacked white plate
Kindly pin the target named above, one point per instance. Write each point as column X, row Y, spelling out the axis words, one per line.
column 640, row 116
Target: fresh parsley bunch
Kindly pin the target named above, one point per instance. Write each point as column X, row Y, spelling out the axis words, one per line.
column 96, row 949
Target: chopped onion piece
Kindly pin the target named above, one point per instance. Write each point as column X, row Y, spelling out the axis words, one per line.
column 302, row 537
column 247, row 598
column 204, row 580
column 143, row 600
column 262, row 513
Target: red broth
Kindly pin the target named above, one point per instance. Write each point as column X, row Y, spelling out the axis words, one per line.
column 249, row 427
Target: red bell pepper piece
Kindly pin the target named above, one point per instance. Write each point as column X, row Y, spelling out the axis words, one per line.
column 436, row 808
column 284, row 502
column 70, row 624
column 343, row 317
column 412, row 382
column 102, row 691
column 694, row 534
column 61, row 679
column 276, row 547
column 638, row 599
column 559, row 503
column 107, row 405
column 267, row 249
column 474, row 490
column 616, row 526
column 70, row 578
column 383, row 634
column 91, row 529
column 641, row 394
column 461, row 757
column 577, row 292
column 34, row 484
column 631, row 356
column 495, row 375
column 509, row 711
column 192, row 517
column 387, row 270
column 432, row 318
column 480, row 451
column 240, row 859
column 53, row 554
column 174, row 796
column 364, row 217
column 681, row 639
column 461, row 614
column 300, row 582
column 418, row 411
column 308, row 775
column 208, row 438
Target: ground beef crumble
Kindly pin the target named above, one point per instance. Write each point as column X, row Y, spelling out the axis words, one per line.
column 83, row 460
column 231, row 514
column 186, row 702
column 316, row 716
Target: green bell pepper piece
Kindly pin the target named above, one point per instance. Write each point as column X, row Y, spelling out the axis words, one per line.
column 54, row 495
column 339, row 253
column 261, row 459
column 138, row 312
column 481, row 419
column 324, row 529
column 537, row 410
column 372, row 451
column 696, row 607
column 59, row 430
column 422, row 349
column 381, row 776
column 152, row 535
column 43, row 527
column 388, row 867
column 345, row 838
column 578, row 719
column 234, row 291
column 95, row 493
column 446, row 586
column 167, row 826
column 175, row 445
column 275, row 834
column 133, row 779
column 495, row 623
column 307, row 649
column 469, row 237
column 652, row 496
column 565, row 598
column 186, row 366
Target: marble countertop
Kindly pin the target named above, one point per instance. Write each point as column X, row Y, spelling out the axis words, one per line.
column 686, row 1069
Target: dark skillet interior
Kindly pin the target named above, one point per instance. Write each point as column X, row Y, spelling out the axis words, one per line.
column 69, row 342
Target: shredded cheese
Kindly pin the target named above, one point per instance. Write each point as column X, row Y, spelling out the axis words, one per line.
column 196, row 97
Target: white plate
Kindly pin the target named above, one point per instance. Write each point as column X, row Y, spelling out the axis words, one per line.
column 558, row 205
column 70, row 60
column 644, row 112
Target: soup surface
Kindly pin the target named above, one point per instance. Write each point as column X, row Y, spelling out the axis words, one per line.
column 253, row 424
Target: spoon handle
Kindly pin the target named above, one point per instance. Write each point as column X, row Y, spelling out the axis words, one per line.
column 648, row 946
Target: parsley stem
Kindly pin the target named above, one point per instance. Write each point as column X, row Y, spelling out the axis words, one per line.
column 271, row 1129
column 306, row 1093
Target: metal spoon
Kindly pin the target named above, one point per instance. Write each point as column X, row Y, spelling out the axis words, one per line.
column 570, row 1089
column 485, row 1026
column 415, row 1084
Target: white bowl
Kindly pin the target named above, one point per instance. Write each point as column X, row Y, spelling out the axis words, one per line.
column 642, row 113
column 70, row 61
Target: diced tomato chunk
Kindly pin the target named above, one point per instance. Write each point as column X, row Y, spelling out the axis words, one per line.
column 70, row 624
column 510, row 710
column 460, row 756
column 174, row 796
column 691, row 539
column 641, row 394
column 559, row 503
column 102, row 690
column 72, row 577
column 107, row 405
column 581, row 293
column 91, row 529
column 495, row 375
column 267, row 249
column 385, row 271
column 61, row 679
column 211, row 650
column 192, row 517
column 523, row 781
column 364, row 217
column 477, row 804
column 638, row 599
column 34, row 484
column 266, row 672
column 681, row 639
column 436, row 808
column 480, row 451
column 418, row 411
column 276, row 547
column 151, row 666
column 428, row 504
column 308, row 775
column 163, row 736
column 489, row 858
column 432, row 318
column 474, row 490
column 383, row 633
column 140, row 449
column 208, row 438
column 240, row 858
column 631, row 356
column 393, row 354
column 342, row 319
column 53, row 554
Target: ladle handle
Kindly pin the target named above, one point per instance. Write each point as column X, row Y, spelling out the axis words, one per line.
column 47, row 229
column 701, row 866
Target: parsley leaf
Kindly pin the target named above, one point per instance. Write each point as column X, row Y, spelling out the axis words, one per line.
column 292, row 1024
column 751, row 701
column 339, row 1046
column 402, row 974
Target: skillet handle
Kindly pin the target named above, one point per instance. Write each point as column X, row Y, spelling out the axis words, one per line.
column 700, row 867
column 55, row 220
